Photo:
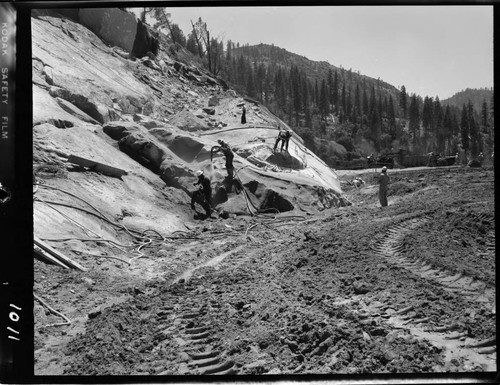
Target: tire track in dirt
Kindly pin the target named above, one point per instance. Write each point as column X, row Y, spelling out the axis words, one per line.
column 392, row 250
column 195, row 333
column 193, row 312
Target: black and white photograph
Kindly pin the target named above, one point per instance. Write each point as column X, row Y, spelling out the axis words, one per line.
column 273, row 191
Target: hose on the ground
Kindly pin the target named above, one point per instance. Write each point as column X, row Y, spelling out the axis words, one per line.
column 139, row 237
column 142, row 240
column 68, row 322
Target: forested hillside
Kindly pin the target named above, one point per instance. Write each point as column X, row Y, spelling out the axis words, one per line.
column 353, row 109
column 327, row 104
column 476, row 96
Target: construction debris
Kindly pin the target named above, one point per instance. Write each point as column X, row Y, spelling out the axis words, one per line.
column 48, row 257
column 96, row 166
column 57, row 255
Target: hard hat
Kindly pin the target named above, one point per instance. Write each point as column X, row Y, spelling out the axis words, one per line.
column 199, row 173
column 384, row 168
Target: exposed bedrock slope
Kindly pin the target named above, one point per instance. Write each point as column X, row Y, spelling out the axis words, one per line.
column 149, row 118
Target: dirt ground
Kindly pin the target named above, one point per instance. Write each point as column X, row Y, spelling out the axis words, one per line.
column 354, row 290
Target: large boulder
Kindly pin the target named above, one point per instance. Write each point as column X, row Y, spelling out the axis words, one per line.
column 187, row 121
column 177, row 175
column 121, row 129
column 163, row 134
column 95, row 110
column 142, row 146
column 146, row 41
column 75, row 111
column 47, row 109
column 285, row 160
column 185, row 147
column 143, row 150
column 112, row 25
column 146, row 121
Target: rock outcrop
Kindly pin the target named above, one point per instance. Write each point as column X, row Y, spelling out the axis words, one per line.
column 114, row 26
column 158, row 119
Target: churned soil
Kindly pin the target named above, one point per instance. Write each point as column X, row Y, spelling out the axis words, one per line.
column 354, row 290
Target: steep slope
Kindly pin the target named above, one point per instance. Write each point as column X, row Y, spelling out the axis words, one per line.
column 157, row 120
column 272, row 55
column 344, row 291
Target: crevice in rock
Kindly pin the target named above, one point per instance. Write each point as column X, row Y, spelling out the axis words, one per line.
column 185, row 148
column 59, row 123
column 273, row 200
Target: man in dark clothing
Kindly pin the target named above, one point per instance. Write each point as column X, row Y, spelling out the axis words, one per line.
column 284, row 137
column 243, row 115
column 480, row 158
column 203, row 196
column 206, row 188
column 383, row 181
column 228, row 154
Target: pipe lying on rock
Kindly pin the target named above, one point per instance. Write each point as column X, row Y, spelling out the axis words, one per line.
column 487, row 342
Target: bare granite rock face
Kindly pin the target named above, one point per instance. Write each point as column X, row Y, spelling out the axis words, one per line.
column 164, row 117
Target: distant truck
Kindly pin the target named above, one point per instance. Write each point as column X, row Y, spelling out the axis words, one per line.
column 437, row 160
column 397, row 159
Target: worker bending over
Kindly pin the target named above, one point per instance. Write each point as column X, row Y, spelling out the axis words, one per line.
column 283, row 136
column 203, row 195
column 228, row 154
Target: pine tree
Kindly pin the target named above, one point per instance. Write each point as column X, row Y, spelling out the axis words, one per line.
column 391, row 116
column 316, row 94
column 250, row 82
column 464, row 129
column 438, row 125
column 343, row 105
column 229, row 50
column 403, row 103
column 330, row 84
column 427, row 117
column 448, row 129
column 296, row 92
column 366, row 105
column 191, row 44
column 414, row 119
column 349, row 106
column 335, row 92
column 485, row 124
column 374, row 120
column 484, row 116
column 304, row 86
column 323, row 101
column 474, row 131
column 375, row 126
column 357, row 100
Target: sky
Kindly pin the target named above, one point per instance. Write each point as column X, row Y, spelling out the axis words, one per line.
column 431, row 50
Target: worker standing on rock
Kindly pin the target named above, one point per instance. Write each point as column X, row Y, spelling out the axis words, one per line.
column 228, row 154
column 383, row 181
column 204, row 195
column 243, row 115
column 283, row 136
